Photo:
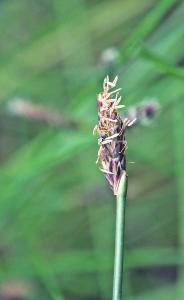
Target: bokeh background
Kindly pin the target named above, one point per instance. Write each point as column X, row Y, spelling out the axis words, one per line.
column 57, row 213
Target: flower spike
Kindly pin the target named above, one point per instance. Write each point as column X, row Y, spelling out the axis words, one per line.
column 111, row 129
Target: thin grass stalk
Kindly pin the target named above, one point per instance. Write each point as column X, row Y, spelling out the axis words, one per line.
column 119, row 238
column 111, row 155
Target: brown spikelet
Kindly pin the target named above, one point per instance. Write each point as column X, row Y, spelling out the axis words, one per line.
column 43, row 114
column 111, row 129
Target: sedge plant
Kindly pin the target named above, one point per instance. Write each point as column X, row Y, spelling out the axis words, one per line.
column 111, row 156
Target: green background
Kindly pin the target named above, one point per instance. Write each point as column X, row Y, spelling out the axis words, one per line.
column 57, row 213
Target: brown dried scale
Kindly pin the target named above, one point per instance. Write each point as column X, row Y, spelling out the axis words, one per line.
column 111, row 129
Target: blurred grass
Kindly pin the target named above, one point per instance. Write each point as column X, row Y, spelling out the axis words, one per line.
column 56, row 212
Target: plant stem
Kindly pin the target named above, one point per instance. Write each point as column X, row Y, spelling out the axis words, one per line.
column 119, row 238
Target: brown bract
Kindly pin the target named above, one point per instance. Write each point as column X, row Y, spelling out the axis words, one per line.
column 111, row 129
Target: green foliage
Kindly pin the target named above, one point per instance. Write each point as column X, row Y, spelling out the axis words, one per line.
column 57, row 215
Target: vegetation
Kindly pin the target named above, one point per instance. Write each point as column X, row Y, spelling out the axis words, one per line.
column 57, row 213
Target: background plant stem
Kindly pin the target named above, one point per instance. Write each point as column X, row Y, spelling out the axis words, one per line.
column 119, row 238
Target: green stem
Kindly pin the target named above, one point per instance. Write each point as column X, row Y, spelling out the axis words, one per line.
column 119, row 238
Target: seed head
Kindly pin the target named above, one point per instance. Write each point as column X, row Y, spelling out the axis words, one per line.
column 111, row 129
